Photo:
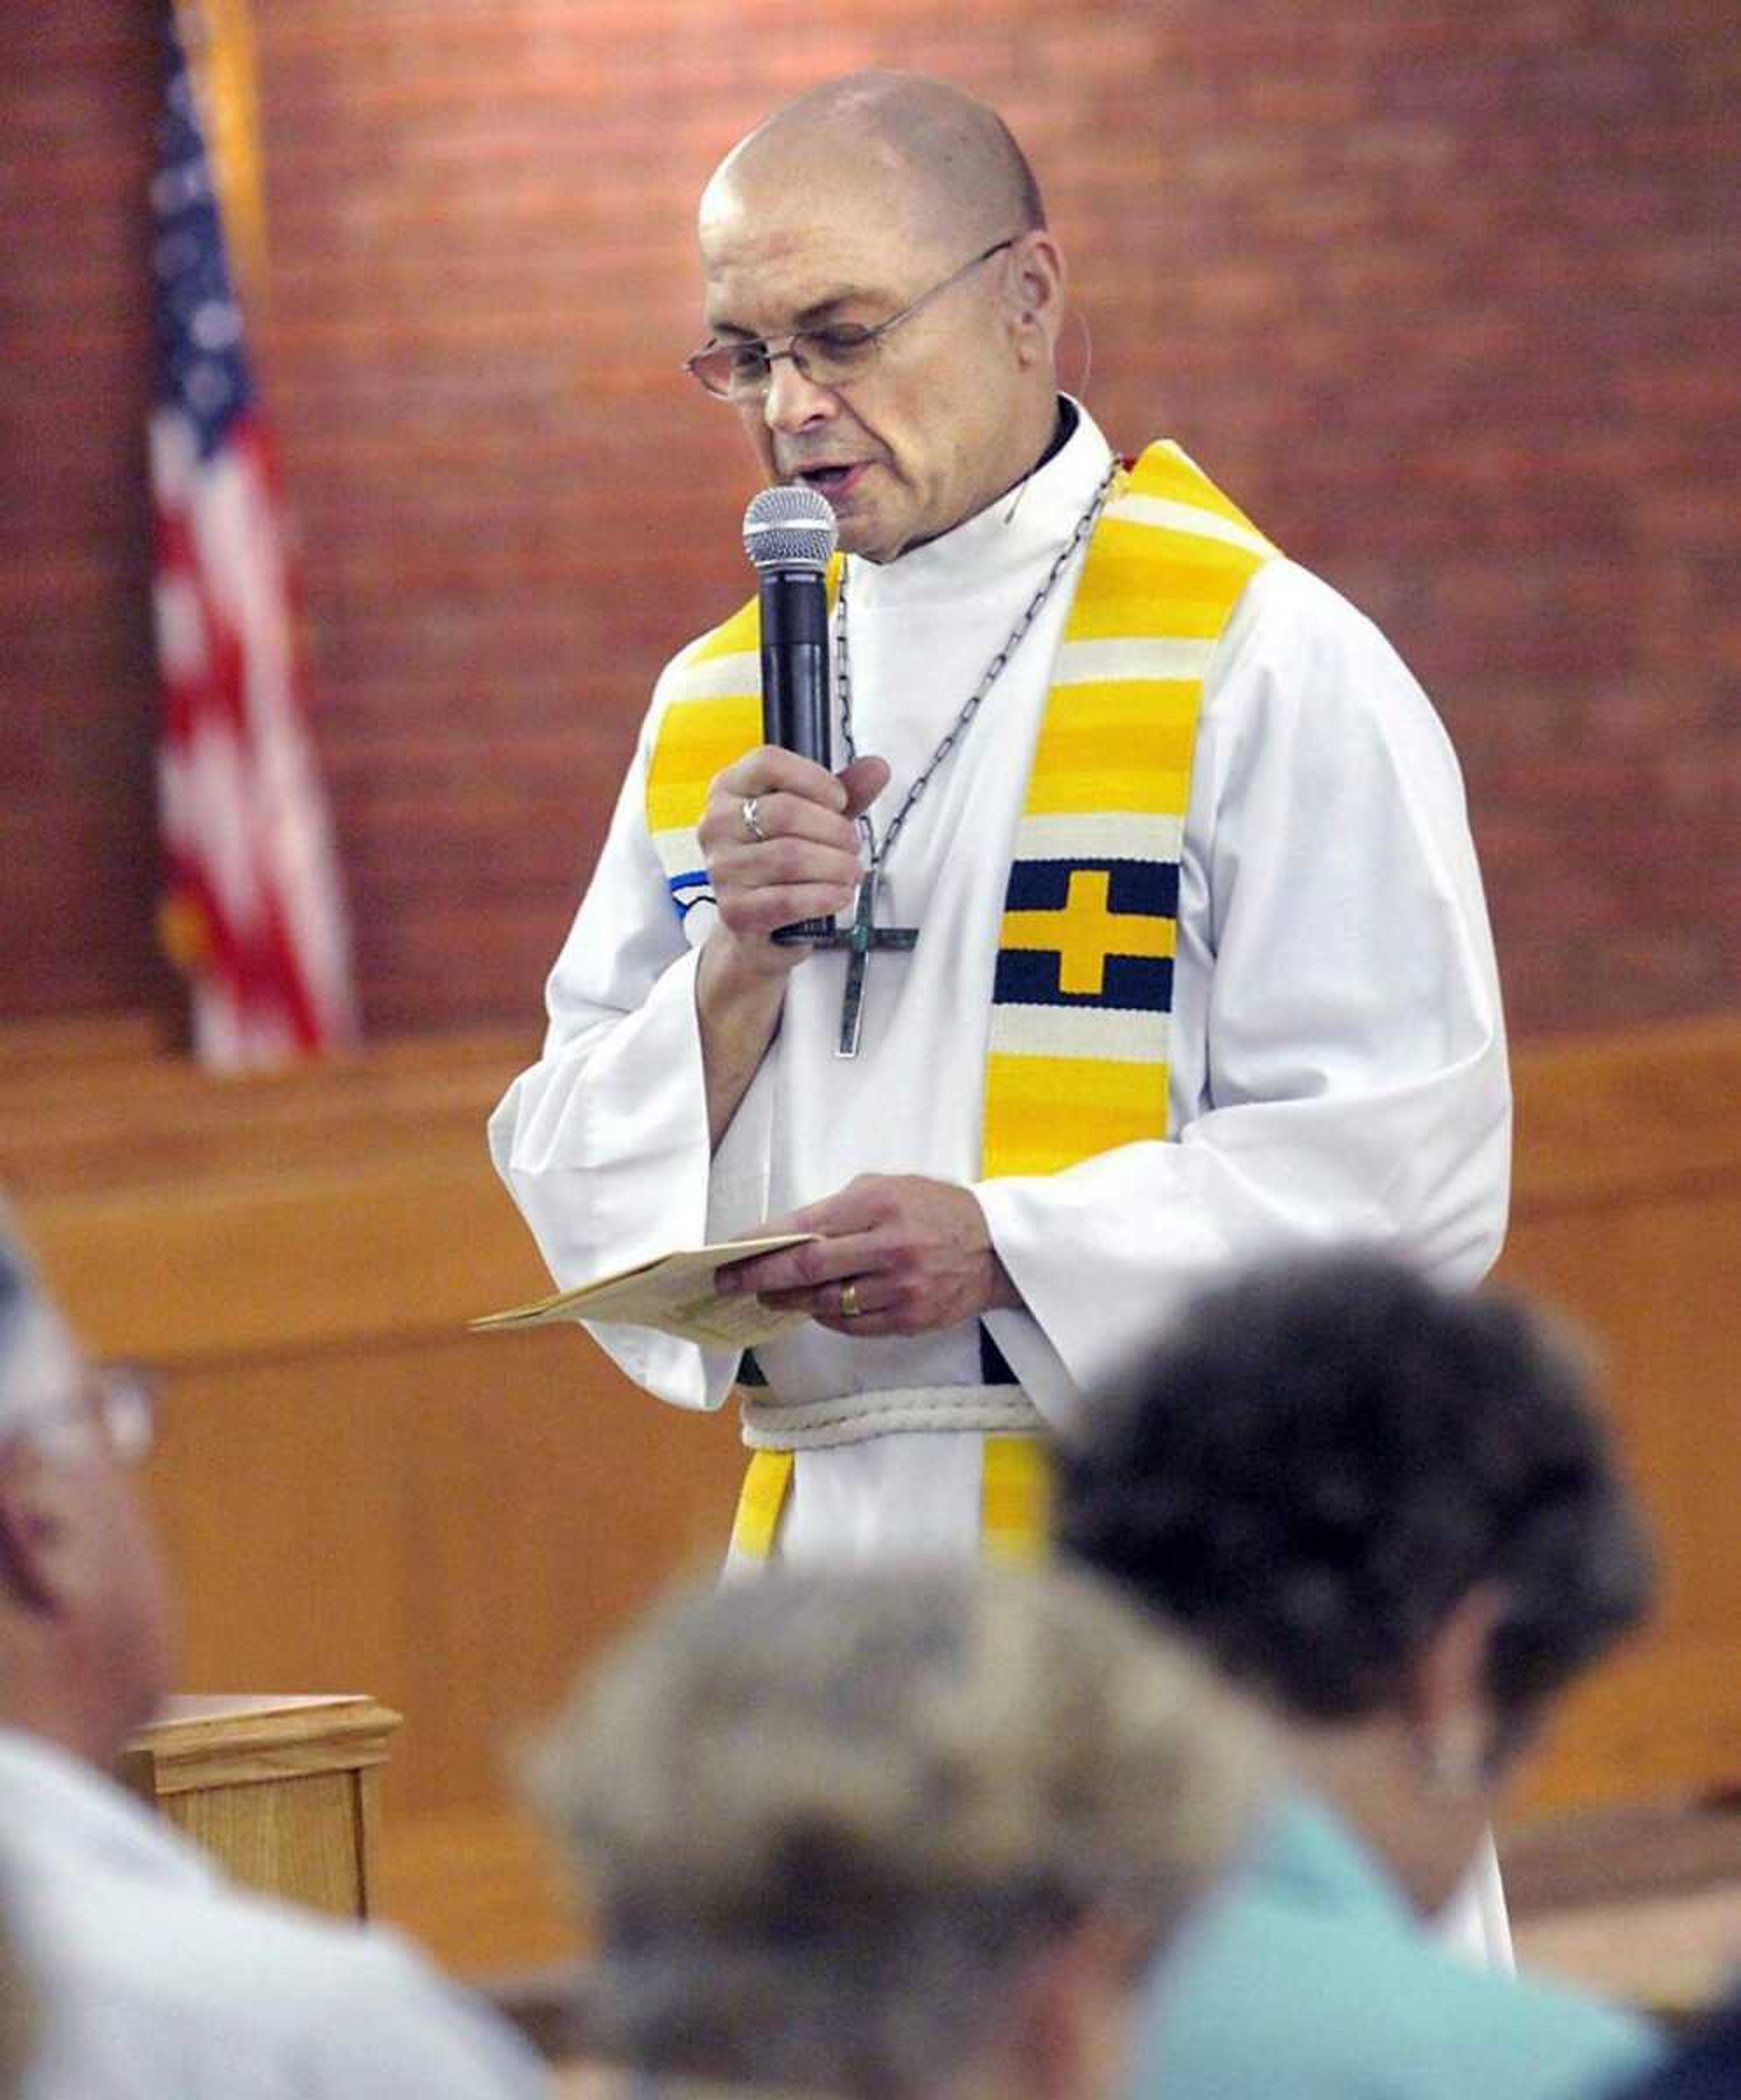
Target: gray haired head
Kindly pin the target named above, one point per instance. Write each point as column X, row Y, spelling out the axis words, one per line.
column 827, row 1821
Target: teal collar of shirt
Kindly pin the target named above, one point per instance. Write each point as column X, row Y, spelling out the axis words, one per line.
column 1310, row 1858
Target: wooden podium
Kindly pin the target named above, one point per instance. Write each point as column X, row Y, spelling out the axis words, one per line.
column 285, row 1791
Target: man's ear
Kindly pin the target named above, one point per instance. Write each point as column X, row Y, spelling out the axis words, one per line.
column 1036, row 283
column 32, row 1528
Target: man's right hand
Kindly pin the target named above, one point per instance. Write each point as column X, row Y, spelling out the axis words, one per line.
column 806, row 864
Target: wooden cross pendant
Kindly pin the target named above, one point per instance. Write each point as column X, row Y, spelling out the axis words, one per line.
column 859, row 939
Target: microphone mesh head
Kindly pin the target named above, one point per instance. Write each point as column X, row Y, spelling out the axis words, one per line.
column 790, row 528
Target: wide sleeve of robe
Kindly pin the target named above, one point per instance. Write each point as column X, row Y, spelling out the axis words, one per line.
column 603, row 1142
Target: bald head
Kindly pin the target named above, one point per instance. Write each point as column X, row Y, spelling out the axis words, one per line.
column 944, row 165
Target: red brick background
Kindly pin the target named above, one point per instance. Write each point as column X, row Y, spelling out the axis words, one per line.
column 1444, row 291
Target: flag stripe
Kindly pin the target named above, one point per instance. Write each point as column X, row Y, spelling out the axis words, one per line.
column 253, row 909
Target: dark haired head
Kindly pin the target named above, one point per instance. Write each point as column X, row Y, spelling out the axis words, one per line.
column 1327, row 1456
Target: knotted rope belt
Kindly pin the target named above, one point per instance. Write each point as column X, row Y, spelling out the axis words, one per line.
column 1016, row 1465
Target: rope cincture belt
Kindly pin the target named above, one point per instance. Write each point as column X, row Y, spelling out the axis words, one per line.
column 1016, row 1489
column 818, row 1425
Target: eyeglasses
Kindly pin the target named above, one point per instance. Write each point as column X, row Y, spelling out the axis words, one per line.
column 124, row 1399
column 826, row 356
column 115, row 1404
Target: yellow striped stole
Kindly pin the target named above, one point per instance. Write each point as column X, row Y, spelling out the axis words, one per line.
column 713, row 717
column 1083, row 992
column 1077, row 1057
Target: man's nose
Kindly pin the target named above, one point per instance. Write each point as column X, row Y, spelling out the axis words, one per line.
column 792, row 399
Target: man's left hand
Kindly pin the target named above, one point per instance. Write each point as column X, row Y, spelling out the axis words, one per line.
column 897, row 1255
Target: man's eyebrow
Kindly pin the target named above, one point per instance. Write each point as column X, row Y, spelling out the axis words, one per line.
column 822, row 310
column 808, row 317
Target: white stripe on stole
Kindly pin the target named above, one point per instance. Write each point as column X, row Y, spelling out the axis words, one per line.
column 1123, row 1035
column 723, row 677
column 680, row 853
column 679, row 850
column 1126, row 657
column 1179, row 517
column 1076, row 664
column 1103, row 835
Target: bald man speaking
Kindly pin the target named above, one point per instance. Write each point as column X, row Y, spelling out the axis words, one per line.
column 1202, row 966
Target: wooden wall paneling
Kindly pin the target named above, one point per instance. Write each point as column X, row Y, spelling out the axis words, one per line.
column 357, row 1495
column 1627, row 1214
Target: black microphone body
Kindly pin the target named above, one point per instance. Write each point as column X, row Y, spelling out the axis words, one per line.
column 795, row 663
column 789, row 533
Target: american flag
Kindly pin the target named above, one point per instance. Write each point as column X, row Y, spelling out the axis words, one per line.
column 253, row 909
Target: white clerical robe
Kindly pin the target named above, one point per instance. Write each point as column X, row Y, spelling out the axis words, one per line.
column 1338, row 1066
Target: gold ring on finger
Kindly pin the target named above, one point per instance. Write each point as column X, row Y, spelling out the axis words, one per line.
column 850, row 1307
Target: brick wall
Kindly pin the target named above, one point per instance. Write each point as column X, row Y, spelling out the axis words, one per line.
column 1440, row 290
column 76, row 87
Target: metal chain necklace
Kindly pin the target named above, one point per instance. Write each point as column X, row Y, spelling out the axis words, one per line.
column 879, row 852
column 865, row 934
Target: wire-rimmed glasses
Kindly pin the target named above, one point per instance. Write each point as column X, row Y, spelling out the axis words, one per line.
column 124, row 1399
column 109, row 1404
column 830, row 356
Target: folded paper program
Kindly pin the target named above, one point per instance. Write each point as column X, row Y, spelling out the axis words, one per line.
column 676, row 1293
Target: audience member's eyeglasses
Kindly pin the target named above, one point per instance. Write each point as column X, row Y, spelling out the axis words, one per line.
column 124, row 1399
column 828, row 356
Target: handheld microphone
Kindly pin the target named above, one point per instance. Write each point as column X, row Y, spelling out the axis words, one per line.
column 789, row 533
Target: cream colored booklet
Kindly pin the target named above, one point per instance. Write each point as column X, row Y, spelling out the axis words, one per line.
column 675, row 1293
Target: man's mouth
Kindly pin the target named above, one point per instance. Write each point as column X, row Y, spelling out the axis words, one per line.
column 833, row 481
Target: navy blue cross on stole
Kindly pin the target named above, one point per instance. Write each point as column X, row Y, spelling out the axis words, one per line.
column 1089, row 932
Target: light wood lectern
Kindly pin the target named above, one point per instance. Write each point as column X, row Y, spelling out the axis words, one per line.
column 285, row 1791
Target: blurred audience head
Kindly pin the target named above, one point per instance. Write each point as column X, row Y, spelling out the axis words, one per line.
column 84, row 1611
column 891, row 1834
column 1388, row 1510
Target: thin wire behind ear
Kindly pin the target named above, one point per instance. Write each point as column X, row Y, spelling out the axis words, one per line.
column 1080, row 389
